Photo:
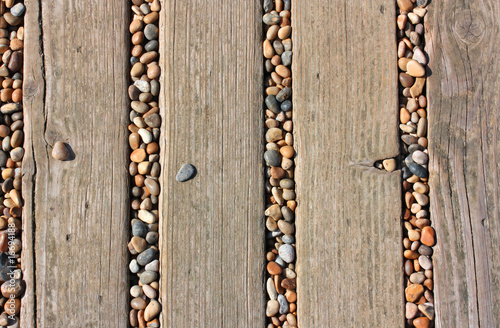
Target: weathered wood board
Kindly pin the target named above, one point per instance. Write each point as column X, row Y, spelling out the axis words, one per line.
column 348, row 215
column 75, row 218
column 464, row 115
column 212, row 231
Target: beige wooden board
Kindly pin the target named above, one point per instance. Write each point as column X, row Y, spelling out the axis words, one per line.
column 212, row 227
column 75, row 218
column 348, row 215
column 464, row 115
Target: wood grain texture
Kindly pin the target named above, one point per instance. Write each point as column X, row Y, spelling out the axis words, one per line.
column 75, row 223
column 348, row 216
column 464, row 115
column 212, row 227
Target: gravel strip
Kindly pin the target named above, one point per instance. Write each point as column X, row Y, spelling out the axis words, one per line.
column 419, row 236
column 281, row 309
column 144, row 166
column 11, row 156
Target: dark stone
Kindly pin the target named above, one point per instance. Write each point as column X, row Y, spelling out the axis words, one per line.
column 287, row 5
column 155, row 87
column 151, row 45
column 133, row 92
column 418, row 170
column 133, row 60
column 267, row 5
column 5, row 271
column 288, row 214
column 284, row 94
column 413, row 147
column 425, row 250
column 272, row 158
column 272, row 104
column 422, row 3
column 147, row 256
column 186, row 173
column 151, row 32
column 139, row 229
column 286, row 105
column 408, row 160
column 406, row 172
column 278, row 47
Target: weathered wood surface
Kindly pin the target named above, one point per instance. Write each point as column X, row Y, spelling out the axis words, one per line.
column 464, row 115
column 212, row 230
column 75, row 218
column 348, row 215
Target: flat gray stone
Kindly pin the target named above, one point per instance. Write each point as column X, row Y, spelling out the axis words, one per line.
column 186, row 173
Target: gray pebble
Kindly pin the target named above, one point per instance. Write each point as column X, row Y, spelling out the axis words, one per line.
column 186, row 172
column 272, row 104
column 418, row 170
column 152, row 237
column 278, row 47
column 286, row 105
column 284, row 307
column 425, row 250
column 151, row 45
column 286, row 58
column 279, row 261
column 288, row 214
column 287, row 253
column 420, row 157
column 284, row 94
column 3, row 158
column 155, row 87
column 148, row 277
column 147, row 256
column 151, row 32
column 139, row 229
column 18, row 10
column 267, row 5
column 272, row 158
column 288, row 239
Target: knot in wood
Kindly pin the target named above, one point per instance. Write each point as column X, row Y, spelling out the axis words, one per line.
column 469, row 27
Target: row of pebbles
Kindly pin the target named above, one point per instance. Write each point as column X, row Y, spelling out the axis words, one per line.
column 144, row 166
column 281, row 309
column 419, row 236
column 11, row 156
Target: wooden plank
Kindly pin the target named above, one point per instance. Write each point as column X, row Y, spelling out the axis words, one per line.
column 212, row 227
column 464, row 146
column 76, row 213
column 348, row 216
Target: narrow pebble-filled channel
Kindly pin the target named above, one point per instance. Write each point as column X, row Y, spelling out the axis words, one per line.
column 11, row 156
column 281, row 309
column 419, row 235
column 144, row 166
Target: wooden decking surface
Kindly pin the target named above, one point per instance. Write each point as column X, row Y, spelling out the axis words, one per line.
column 464, row 117
column 76, row 226
column 76, row 222
column 348, row 218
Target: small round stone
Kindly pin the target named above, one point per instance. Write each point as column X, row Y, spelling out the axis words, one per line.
column 148, row 277
column 272, row 158
column 186, row 173
column 287, row 253
column 272, row 308
column 151, row 32
column 18, row 10
column 152, row 310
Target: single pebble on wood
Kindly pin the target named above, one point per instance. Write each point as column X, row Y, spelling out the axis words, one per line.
column 186, row 173
column 60, row 152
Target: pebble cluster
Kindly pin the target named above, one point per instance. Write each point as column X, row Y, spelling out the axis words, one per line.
column 419, row 236
column 281, row 308
column 144, row 166
column 11, row 156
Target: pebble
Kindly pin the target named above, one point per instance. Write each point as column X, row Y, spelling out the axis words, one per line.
column 287, row 253
column 152, row 310
column 413, row 292
column 272, row 308
column 18, row 10
column 271, row 290
column 148, row 277
column 283, row 304
column 428, row 236
column 418, row 170
column 186, row 173
column 272, row 157
column 411, row 310
column 146, row 257
column 427, row 309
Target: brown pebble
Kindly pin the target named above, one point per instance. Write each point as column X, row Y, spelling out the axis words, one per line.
column 60, row 152
column 428, row 236
column 138, row 155
column 273, row 268
column 413, row 292
column 421, row 322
